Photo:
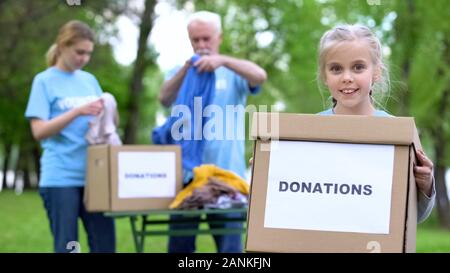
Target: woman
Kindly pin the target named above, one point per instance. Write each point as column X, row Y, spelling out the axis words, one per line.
column 62, row 101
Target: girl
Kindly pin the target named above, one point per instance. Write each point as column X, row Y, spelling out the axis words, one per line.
column 351, row 67
column 62, row 101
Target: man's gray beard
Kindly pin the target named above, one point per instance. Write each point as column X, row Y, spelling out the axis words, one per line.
column 202, row 52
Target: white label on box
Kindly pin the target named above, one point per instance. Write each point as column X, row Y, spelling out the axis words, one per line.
column 146, row 174
column 330, row 187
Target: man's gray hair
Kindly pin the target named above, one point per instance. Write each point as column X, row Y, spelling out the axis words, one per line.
column 206, row 17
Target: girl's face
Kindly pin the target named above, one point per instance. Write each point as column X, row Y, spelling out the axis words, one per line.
column 75, row 56
column 349, row 74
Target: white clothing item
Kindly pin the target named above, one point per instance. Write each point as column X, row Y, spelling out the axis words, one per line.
column 103, row 128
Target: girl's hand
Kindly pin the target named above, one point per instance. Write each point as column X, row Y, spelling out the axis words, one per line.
column 424, row 174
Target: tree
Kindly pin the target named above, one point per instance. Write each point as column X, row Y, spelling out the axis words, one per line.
column 424, row 58
column 27, row 29
column 144, row 59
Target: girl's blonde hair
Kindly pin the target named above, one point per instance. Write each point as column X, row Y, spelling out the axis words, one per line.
column 348, row 33
column 69, row 34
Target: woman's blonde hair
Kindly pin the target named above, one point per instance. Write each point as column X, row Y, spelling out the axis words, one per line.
column 348, row 33
column 69, row 34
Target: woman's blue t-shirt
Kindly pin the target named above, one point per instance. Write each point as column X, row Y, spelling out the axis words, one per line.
column 53, row 93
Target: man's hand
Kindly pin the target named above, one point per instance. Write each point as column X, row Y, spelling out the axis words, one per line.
column 209, row 63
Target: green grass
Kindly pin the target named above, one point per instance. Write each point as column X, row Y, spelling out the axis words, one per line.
column 24, row 228
column 432, row 238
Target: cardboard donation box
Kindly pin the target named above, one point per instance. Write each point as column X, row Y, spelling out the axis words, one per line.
column 332, row 184
column 132, row 177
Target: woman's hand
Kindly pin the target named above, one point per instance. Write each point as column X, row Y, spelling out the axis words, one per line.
column 92, row 108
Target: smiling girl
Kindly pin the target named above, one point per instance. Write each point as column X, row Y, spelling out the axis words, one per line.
column 351, row 67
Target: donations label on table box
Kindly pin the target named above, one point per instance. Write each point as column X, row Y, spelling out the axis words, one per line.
column 132, row 177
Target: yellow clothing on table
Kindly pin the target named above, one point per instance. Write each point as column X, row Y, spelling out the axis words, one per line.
column 201, row 175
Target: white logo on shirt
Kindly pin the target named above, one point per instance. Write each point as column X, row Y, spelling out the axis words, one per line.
column 72, row 102
column 221, row 84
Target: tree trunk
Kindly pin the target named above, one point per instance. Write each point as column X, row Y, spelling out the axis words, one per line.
column 8, row 147
column 442, row 202
column 24, row 165
column 140, row 65
column 409, row 21
column 440, row 148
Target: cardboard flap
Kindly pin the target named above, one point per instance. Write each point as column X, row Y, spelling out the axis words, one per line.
column 337, row 128
column 416, row 140
column 411, row 215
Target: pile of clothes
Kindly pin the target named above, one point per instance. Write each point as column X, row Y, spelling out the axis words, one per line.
column 213, row 187
column 214, row 194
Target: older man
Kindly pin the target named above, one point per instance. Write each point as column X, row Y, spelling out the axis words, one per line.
column 235, row 79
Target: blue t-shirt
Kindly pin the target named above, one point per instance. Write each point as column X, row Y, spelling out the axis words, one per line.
column 53, row 93
column 378, row 113
column 225, row 131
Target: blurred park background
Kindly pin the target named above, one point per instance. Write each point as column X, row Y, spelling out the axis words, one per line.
column 282, row 36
